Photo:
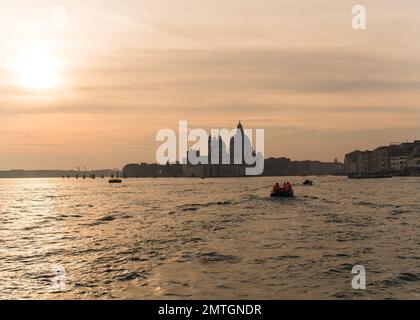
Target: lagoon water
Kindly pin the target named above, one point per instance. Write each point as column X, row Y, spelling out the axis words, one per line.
column 212, row 238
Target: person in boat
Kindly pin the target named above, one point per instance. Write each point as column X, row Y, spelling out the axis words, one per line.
column 276, row 187
column 289, row 187
column 285, row 187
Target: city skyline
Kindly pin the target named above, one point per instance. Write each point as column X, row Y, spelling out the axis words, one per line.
column 95, row 94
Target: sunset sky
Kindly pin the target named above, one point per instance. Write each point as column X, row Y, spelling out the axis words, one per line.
column 119, row 71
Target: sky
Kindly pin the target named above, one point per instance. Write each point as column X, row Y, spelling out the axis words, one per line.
column 116, row 72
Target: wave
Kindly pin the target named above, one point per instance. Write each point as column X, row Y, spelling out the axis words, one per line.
column 209, row 257
column 196, row 206
column 132, row 276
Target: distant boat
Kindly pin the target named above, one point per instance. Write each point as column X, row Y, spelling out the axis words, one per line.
column 308, row 183
column 117, row 180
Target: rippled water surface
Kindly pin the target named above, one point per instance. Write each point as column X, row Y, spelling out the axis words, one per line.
column 213, row 238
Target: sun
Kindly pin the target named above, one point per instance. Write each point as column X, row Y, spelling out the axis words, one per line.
column 38, row 70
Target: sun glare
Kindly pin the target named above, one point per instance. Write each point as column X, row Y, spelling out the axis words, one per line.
column 38, row 70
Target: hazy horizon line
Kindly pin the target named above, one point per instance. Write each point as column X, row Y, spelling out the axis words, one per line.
column 149, row 163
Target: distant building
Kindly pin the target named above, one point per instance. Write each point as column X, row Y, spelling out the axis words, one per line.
column 358, row 162
column 396, row 159
column 277, row 167
column 309, row 167
column 380, row 160
column 398, row 163
column 145, row 170
column 414, row 162
column 223, row 162
column 219, row 161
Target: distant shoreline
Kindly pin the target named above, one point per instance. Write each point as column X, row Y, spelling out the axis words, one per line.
column 158, row 177
column 272, row 167
column 16, row 174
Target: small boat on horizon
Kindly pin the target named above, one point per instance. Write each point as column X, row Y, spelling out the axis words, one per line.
column 308, row 182
column 117, row 180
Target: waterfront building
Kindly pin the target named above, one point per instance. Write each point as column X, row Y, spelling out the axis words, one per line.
column 396, row 159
